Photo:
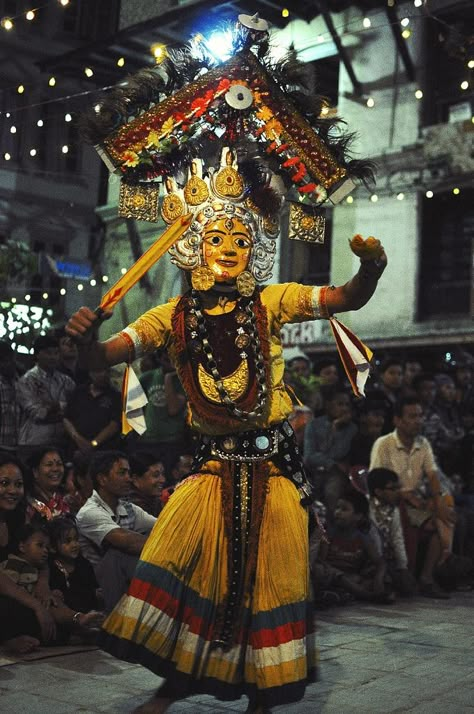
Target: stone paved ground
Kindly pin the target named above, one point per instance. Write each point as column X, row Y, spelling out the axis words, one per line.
column 415, row 656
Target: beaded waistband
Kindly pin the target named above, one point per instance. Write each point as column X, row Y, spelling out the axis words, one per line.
column 249, row 446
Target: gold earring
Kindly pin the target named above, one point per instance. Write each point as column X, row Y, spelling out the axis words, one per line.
column 202, row 278
column 246, row 283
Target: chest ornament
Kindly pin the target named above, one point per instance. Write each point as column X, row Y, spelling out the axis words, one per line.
column 235, row 384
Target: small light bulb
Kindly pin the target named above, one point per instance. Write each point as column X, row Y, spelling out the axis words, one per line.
column 7, row 24
column 62, row 291
column 45, row 296
column 464, row 85
column 456, row 191
column 52, row 81
column 80, row 287
column 93, row 282
column 64, row 2
column 419, row 94
column 65, row 149
column 27, row 298
column 470, row 64
column 406, row 34
column 374, row 198
column 350, row 199
column 7, row 156
column 40, row 122
column 370, row 102
column 404, row 22
column 366, row 22
column 418, row 3
column 30, row 15
column 13, row 129
column 67, row 117
column 120, row 61
column 32, row 152
column 88, row 72
column 400, row 196
column 13, row 300
column 123, row 271
column 285, row 12
column 429, row 194
column 21, row 89
column 105, row 278
column 8, row 115
column 158, row 51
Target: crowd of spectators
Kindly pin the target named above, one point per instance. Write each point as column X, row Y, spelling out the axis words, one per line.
column 77, row 500
column 395, row 469
column 393, row 476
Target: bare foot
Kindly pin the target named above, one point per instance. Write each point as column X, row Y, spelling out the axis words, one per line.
column 155, row 705
column 23, row 644
column 91, row 620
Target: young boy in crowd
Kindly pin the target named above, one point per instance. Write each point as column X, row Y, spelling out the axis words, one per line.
column 69, row 572
column 384, row 490
column 350, row 561
column 30, row 555
column 148, row 479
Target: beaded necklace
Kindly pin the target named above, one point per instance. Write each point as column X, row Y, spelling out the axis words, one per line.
column 211, row 364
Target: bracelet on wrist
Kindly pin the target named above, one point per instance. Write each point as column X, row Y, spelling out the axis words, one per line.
column 75, row 617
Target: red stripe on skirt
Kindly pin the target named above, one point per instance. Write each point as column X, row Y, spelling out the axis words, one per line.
column 278, row 635
column 161, row 600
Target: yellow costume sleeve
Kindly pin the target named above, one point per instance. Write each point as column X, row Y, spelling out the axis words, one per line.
column 291, row 302
column 152, row 330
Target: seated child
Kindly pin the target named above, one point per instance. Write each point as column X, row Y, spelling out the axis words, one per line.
column 69, row 571
column 350, row 561
column 30, row 555
column 384, row 490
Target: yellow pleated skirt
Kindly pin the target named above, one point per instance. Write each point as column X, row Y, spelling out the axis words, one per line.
column 167, row 620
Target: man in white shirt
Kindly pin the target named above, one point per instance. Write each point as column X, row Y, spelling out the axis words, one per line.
column 410, row 456
column 112, row 531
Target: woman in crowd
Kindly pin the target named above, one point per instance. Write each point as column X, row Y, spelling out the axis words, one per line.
column 21, row 613
column 44, row 494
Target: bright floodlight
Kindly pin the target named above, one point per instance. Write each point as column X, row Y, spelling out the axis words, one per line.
column 219, row 44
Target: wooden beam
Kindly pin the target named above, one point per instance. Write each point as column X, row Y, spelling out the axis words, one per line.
column 358, row 89
column 400, row 42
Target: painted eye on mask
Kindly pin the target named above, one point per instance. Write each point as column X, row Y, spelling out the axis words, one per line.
column 242, row 243
column 215, row 240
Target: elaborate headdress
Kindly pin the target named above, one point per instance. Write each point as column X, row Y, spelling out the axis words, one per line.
column 251, row 118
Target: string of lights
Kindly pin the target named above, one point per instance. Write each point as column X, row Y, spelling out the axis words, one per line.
column 159, row 50
column 8, row 23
